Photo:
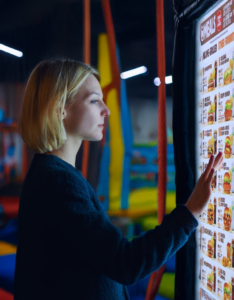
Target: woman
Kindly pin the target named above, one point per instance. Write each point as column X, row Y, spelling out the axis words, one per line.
column 67, row 246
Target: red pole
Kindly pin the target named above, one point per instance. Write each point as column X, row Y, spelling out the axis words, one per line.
column 156, row 277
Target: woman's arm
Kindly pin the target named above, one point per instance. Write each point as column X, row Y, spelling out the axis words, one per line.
column 103, row 247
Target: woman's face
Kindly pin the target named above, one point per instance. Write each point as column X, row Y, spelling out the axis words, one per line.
column 85, row 117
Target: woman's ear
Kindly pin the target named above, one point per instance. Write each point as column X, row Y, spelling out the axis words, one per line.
column 64, row 114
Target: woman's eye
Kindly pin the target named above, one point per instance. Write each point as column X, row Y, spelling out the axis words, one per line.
column 94, row 101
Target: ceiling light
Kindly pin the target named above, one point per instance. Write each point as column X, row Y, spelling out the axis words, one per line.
column 157, row 81
column 11, row 50
column 168, row 80
column 133, row 72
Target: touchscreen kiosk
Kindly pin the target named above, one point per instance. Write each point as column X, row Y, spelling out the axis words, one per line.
column 214, row 133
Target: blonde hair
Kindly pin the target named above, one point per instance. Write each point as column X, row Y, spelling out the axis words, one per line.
column 51, row 85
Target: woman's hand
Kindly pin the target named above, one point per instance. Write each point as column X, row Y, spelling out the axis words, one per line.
column 202, row 191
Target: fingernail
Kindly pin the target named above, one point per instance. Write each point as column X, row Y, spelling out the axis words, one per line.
column 220, row 153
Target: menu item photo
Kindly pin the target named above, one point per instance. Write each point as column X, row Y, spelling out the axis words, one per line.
column 211, row 81
column 225, row 68
column 225, row 141
column 227, row 291
column 227, row 182
column 228, row 74
column 225, row 105
column 228, row 146
column 227, row 218
column 228, row 109
column 210, row 214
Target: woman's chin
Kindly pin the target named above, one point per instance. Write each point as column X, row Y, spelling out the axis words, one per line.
column 94, row 138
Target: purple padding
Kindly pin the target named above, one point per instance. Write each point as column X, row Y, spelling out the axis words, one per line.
column 7, row 271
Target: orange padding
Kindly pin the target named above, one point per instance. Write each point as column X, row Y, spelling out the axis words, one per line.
column 6, row 248
column 10, row 206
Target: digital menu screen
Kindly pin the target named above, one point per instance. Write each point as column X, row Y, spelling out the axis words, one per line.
column 214, row 133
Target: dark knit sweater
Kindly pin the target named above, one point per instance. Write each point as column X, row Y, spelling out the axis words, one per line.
column 67, row 246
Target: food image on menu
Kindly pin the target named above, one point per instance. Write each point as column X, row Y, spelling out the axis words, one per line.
column 227, row 78
column 205, row 296
column 209, row 144
column 210, row 213
column 210, row 116
column 224, row 249
column 225, row 141
column 211, row 81
column 227, row 218
column 207, row 240
column 227, row 291
column 210, row 148
column 225, row 69
column 224, row 214
column 210, row 280
column 227, row 182
column 225, row 104
column 224, row 287
column 211, row 113
column 210, row 248
column 228, row 146
column 228, row 109
column 226, row 260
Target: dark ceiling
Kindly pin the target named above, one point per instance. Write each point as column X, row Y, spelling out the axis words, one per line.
column 53, row 28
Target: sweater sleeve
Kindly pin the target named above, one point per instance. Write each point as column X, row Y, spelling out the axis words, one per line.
column 99, row 244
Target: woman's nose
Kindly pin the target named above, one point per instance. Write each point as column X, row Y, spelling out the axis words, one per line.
column 106, row 111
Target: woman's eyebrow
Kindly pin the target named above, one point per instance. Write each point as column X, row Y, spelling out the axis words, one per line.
column 96, row 93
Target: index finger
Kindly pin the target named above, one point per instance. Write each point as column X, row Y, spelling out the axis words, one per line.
column 218, row 160
column 209, row 166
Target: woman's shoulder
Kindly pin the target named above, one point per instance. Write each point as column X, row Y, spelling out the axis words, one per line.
column 63, row 177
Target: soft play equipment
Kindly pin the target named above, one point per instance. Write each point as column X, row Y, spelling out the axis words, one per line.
column 136, row 196
column 111, row 173
column 128, row 180
column 7, row 271
column 119, row 154
column 117, row 197
column 4, row 295
column 115, row 182
column 8, row 233
column 166, row 289
column 9, row 206
column 8, row 242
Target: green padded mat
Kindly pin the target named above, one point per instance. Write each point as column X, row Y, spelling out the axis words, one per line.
column 167, row 286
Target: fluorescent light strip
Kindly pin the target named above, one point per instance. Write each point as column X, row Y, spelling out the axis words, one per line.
column 133, row 72
column 168, row 80
column 11, row 50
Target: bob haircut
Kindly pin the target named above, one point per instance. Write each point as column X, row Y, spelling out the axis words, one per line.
column 51, row 85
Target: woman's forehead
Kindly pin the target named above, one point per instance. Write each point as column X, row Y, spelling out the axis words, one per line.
column 90, row 86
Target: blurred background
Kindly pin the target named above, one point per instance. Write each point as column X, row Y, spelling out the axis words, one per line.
column 54, row 28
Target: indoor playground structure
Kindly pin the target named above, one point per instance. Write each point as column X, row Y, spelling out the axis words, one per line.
column 136, row 182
